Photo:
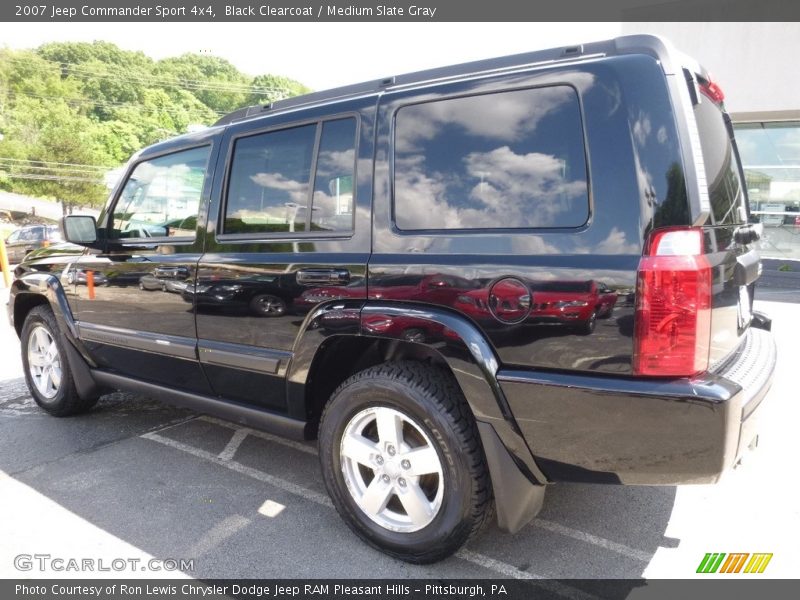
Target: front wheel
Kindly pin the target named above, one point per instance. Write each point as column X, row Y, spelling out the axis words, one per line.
column 402, row 461
column 47, row 370
column 588, row 327
column 267, row 305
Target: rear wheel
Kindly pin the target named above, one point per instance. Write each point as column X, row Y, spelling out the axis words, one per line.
column 402, row 461
column 47, row 370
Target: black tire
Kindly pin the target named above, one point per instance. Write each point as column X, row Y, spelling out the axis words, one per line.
column 65, row 400
column 415, row 334
column 588, row 326
column 430, row 398
column 268, row 305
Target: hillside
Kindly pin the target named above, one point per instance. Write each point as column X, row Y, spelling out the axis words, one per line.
column 69, row 112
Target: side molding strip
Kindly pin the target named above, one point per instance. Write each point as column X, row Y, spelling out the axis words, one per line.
column 238, row 356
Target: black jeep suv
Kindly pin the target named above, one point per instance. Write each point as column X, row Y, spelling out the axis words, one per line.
column 404, row 269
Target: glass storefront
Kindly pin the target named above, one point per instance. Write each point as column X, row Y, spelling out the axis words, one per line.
column 770, row 153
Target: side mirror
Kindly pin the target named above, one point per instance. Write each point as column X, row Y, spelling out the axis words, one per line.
column 80, row 229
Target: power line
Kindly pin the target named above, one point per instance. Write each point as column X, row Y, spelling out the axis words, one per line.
column 50, row 162
column 65, row 170
column 53, row 178
column 111, row 104
column 192, row 84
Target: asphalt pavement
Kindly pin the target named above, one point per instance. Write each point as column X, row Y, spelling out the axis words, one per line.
column 136, row 480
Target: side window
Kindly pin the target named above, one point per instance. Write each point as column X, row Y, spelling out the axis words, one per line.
column 332, row 208
column 31, row 234
column 14, row 237
column 494, row 161
column 161, row 197
column 272, row 188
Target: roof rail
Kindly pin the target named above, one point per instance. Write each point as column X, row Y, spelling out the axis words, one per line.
column 486, row 66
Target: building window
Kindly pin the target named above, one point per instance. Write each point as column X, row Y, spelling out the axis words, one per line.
column 770, row 154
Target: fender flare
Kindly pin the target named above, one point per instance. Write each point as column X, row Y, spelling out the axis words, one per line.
column 47, row 286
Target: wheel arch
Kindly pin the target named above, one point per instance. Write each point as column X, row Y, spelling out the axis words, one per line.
column 321, row 364
column 34, row 289
column 39, row 289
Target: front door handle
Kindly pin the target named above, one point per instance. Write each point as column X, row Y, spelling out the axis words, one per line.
column 323, row 277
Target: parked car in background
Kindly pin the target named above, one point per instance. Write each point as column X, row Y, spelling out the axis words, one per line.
column 80, row 276
column 26, row 239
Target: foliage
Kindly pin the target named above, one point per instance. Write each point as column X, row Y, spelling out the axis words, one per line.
column 69, row 112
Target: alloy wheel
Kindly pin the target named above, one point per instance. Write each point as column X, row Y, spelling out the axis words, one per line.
column 392, row 469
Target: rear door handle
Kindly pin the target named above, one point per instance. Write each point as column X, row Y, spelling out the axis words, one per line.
column 323, row 277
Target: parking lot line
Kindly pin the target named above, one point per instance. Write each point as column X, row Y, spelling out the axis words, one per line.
column 277, row 482
column 233, row 445
column 219, row 533
column 263, row 435
column 476, row 558
column 593, row 539
column 502, row 568
column 552, row 526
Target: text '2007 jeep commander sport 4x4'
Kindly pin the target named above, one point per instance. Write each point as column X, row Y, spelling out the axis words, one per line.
column 466, row 283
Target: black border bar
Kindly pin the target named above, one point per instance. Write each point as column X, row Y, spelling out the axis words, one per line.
column 396, row 10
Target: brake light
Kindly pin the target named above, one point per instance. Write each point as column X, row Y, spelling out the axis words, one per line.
column 713, row 91
column 673, row 305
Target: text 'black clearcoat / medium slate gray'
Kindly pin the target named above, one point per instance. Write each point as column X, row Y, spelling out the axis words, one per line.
column 467, row 283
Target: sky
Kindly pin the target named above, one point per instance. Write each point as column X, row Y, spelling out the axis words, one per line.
column 320, row 55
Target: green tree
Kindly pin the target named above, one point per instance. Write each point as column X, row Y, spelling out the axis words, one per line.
column 69, row 111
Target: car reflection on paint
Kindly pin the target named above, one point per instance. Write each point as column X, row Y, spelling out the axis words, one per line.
column 310, row 298
column 80, row 276
column 167, row 279
column 577, row 304
column 260, row 295
column 404, row 327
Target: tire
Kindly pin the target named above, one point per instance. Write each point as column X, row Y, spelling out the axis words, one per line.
column 588, row 327
column 419, row 518
column 268, row 305
column 415, row 334
column 46, row 365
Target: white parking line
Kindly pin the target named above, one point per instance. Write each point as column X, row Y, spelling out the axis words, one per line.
column 263, row 435
column 515, row 573
column 481, row 560
column 219, row 533
column 277, row 482
column 576, row 534
column 233, row 445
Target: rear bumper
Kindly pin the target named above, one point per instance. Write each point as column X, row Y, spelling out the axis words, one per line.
column 643, row 431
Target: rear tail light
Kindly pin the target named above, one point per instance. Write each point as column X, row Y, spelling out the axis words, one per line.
column 673, row 305
column 713, row 91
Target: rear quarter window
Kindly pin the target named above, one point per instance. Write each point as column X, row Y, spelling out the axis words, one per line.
column 504, row 160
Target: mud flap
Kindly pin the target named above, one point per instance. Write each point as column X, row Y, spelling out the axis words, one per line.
column 517, row 499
